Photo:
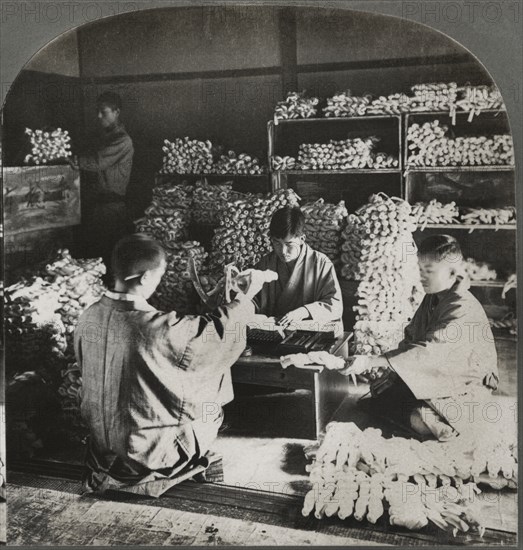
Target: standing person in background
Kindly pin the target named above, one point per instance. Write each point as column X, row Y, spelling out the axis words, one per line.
column 107, row 218
column 307, row 287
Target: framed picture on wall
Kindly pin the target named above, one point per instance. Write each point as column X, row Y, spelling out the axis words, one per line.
column 40, row 197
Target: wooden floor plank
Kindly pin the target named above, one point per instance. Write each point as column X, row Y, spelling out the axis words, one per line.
column 170, row 514
column 119, row 523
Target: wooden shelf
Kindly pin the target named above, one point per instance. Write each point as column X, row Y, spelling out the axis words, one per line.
column 336, row 118
column 458, row 112
column 388, row 115
column 486, row 168
column 353, row 171
column 488, row 284
column 504, row 334
column 467, row 226
column 265, row 174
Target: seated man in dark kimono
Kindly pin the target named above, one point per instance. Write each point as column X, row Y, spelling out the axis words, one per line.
column 447, row 361
column 307, row 287
column 154, row 383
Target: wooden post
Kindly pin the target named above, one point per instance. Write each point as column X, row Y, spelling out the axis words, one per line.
column 287, row 28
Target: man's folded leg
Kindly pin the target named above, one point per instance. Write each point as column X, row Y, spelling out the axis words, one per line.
column 426, row 421
column 390, row 411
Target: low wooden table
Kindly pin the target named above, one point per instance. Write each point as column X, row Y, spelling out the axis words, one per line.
column 328, row 388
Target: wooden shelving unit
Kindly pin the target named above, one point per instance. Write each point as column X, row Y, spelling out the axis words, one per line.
column 285, row 138
column 490, row 186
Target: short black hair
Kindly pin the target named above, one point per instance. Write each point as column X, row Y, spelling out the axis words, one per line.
column 288, row 220
column 111, row 99
column 440, row 247
column 135, row 254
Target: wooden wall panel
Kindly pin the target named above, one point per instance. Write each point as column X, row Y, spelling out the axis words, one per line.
column 36, row 100
column 58, row 57
column 179, row 40
column 324, row 36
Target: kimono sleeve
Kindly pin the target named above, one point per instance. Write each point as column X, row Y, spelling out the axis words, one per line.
column 439, row 364
column 409, row 331
column 329, row 303
column 214, row 340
